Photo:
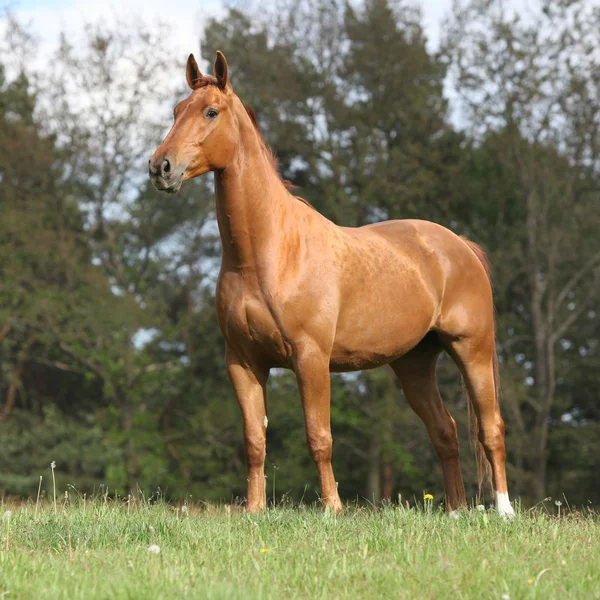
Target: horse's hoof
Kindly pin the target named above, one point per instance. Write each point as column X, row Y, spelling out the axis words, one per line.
column 507, row 514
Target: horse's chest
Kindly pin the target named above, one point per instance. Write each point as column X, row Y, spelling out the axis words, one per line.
column 247, row 322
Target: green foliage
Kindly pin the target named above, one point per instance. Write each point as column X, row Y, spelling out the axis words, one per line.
column 79, row 447
column 111, row 360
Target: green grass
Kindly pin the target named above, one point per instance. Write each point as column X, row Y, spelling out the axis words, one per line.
column 100, row 550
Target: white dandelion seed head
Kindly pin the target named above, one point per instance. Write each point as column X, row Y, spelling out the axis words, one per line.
column 481, row 508
column 184, row 508
column 505, row 597
column 53, row 465
column 558, row 503
column 154, row 549
column 7, row 514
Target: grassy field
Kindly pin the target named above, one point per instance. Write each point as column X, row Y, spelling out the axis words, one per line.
column 105, row 549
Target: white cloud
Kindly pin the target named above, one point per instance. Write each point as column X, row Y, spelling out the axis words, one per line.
column 185, row 19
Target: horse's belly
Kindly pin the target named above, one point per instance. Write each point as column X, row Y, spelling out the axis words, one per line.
column 379, row 330
column 362, row 352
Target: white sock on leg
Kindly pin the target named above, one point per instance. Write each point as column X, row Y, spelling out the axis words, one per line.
column 503, row 505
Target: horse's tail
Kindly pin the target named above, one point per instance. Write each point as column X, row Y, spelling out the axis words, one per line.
column 484, row 472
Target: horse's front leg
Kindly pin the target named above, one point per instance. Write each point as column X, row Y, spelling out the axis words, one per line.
column 312, row 372
column 249, row 383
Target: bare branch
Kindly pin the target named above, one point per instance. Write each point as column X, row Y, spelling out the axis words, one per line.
column 575, row 279
column 5, row 331
column 84, row 361
column 56, row 364
column 560, row 332
column 153, row 368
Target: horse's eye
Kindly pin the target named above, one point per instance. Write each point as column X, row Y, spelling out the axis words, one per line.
column 211, row 113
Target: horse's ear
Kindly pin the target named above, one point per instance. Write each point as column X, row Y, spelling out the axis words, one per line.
column 192, row 72
column 221, row 70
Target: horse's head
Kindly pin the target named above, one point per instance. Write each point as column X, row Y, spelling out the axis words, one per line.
column 204, row 135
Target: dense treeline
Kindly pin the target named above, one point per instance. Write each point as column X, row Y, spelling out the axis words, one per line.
column 111, row 362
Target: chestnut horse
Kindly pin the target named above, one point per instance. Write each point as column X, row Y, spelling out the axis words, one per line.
column 299, row 292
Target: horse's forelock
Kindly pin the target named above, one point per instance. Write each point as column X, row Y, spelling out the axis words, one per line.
column 204, row 81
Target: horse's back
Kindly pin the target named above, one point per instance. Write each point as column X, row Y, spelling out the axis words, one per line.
column 407, row 233
column 430, row 251
column 452, row 253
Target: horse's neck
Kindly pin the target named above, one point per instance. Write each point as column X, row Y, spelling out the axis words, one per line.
column 253, row 207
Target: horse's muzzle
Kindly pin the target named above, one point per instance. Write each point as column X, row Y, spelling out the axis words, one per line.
column 164, row 176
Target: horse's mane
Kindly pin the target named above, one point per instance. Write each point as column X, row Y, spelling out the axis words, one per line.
column 207, row 80
column 269, row 152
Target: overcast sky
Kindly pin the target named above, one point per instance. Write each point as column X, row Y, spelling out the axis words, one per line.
column 186, row 17
column 186, row 20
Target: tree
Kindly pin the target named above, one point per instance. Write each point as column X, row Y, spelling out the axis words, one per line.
column 109, row 107
column 46, row 283
column 111, row 361
column 530, row 89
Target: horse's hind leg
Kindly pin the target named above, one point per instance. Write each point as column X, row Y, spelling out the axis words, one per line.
column 476, row 358
column 416, row 372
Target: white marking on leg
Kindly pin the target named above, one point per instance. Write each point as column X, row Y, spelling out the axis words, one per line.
column 266, row 422
column 503, row 506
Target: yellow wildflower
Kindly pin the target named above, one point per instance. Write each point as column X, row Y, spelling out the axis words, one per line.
column 428, row 497
column 530, row 581
column 263, row 550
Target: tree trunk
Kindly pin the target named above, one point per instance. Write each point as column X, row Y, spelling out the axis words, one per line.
column 374, row 479
column 540, row 430
column 5, row 331
column 387, row 428
column 128, row 448
column 11, row 395
column 388, row 481
column 544, row 355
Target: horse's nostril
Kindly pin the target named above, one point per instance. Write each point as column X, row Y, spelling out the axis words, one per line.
column 166, row 166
